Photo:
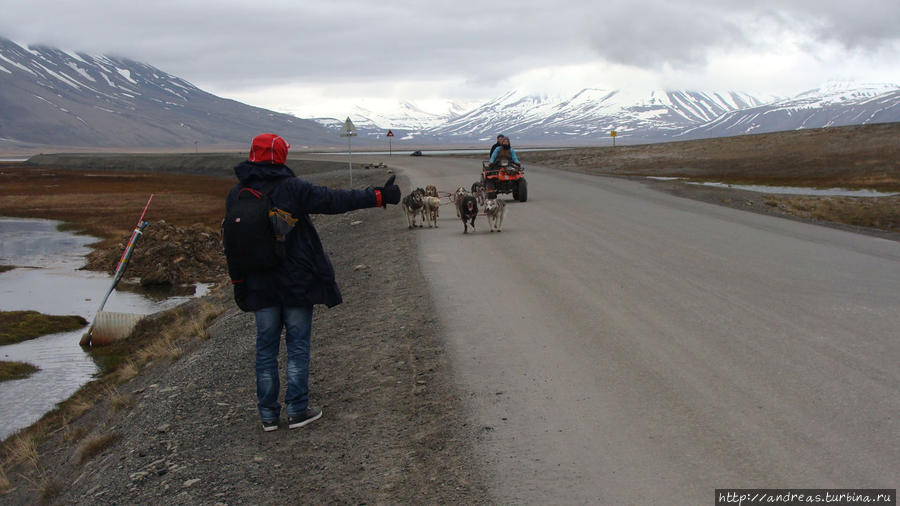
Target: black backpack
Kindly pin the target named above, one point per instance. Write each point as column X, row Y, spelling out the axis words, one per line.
column 248, row 233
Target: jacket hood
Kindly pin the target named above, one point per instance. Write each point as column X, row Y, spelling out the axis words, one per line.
column 269, row 148
column 249, row 172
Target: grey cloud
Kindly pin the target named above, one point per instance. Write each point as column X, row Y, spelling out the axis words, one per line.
column 279, row 42
column 659, row 33
column 654, row 33
column 283, row 42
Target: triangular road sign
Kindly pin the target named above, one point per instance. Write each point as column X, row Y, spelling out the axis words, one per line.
column 348, row 129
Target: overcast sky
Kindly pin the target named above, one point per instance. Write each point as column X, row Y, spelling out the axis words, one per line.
column 324, row 57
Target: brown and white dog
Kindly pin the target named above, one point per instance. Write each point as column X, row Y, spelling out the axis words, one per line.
column 432, row 206
column 413, row 205
column 431, row 191
column 495, row 209
column 467, row 207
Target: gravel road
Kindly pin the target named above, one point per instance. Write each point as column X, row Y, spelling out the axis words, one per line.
column 630, row 347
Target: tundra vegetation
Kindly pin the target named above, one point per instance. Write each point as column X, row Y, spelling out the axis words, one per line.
column 15, row 370
column 105, row 204
column 18, row 326
column 852, row 157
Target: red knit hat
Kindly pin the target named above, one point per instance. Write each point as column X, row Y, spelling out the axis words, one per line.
column 269, row 148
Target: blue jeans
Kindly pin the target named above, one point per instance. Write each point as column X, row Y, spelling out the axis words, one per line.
column 269, row 322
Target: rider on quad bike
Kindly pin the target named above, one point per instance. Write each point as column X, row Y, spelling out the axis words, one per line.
column 503, row 152
column 504, row 174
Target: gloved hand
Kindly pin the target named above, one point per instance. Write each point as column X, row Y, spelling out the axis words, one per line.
column 390, row 193
column 240, row 295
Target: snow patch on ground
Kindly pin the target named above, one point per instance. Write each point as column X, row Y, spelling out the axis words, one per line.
column 126, row 74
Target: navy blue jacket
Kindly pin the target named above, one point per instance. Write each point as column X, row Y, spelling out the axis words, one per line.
column 306, row 276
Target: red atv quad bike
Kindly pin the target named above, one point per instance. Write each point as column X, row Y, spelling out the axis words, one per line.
column 504, row 177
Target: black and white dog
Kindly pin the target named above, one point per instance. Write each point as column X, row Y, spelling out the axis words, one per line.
column 468, row 211
column 480, row 192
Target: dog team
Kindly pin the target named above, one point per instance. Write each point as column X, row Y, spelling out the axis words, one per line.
column 425, row 204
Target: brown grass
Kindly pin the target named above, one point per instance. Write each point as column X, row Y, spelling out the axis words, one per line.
column 4, row 481
column 165, row 334
column 18, row 326
column 22, row 451
column 76, row 407
column 48, row 488
column 76, row 434
column 857, row 157
column 881, row 213
column 127, row 370
column 15, row 370
column 95, row 445
column 866, row 156
column 117, row 401
column 108, row 204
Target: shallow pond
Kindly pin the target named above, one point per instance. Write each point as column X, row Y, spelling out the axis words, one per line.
column 786, row 190
column 47, row 279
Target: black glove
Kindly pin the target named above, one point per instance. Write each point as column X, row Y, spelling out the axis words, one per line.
column 240, row 296
column 390, row 193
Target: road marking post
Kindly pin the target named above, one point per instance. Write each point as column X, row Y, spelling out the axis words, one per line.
column 348, row 131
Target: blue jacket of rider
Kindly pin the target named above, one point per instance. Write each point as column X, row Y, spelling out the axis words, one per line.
column 512, row 154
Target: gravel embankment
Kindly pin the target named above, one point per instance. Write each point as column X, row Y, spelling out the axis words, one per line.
column 392, row 431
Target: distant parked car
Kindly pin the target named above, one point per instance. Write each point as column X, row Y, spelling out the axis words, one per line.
column 416, row 153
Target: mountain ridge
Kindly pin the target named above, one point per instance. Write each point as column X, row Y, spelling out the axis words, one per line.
column 66, row 98
column 61, row 98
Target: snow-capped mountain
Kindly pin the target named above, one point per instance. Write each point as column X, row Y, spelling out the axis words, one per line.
column 64, row 98
column 833, row 104
column 71, row 99
column 405, row 119
column 588, row 117
column 593, row 113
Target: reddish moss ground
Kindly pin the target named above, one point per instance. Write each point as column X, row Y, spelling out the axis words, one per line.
column 107, row 204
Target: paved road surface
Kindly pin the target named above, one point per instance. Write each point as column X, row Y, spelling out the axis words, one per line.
column 623, row 346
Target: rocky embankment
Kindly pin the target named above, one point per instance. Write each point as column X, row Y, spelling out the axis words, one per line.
column 168, row 255
column 184, row 429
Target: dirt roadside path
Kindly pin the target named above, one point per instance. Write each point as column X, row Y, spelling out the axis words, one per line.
column 392, row 430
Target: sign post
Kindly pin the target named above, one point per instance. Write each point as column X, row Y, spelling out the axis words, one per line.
column 390, row 135
column 348, row 131
column 613, row 135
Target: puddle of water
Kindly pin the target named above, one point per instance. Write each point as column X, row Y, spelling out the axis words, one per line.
column 787, row 190
column 65, row 367
column 797, row 190
column 51, row 284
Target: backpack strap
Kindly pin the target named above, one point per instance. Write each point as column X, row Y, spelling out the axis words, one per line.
column 266, row 190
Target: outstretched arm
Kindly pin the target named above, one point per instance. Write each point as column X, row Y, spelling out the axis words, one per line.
column 312, row 199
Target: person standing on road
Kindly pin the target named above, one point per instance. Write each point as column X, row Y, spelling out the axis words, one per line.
column 284, row 296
